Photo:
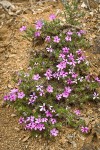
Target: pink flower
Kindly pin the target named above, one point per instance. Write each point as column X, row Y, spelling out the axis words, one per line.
column 48, row 113
column 44, row 119
column 68, row 38
column 40, row 126
column 95, row 95
column 84, row 129
column 97, row 79
column 54, row 132
column 69, row 81
column 53, row 120
column 47, row 39
column 37, row 34
column 69, row 33
column 74, row 75
column 48, row 74
column 6, row 97
column 49, row 89
column 21, row 120
column 14, row 91
column 49, row 49
column 52, row 17
column 61, row 65
column 56, row 39
column 36, row 77
column 79, row 52
column 12, row 97
column 71, row 57
column 39, row 25
column 77, row 112
column 66, row 92
column 42, row 108
column 39, row 88
column 21, row 95
column 59, row 96
column 62, row 56
column 65, row 50
column 23, row 28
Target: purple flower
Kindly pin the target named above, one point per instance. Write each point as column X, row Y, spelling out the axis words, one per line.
column 44, row 119
column 48, row 74
column 38, row 120
column 71, row 57
column 39, row 25
column 31, row 101
column 41, row 93
column 59, row 96
column 14, row 91
column 53, row 120
column 39, row 88
column 84, row 129
column 68, row 38
column 23, row 28
column 74, row 75
column 79, row 34
column 63, row 74
column 40, row 126
column 48, row 113
column 49, row 49
column 42, row 108
column 77, row 112
column 47, row 39
column 65, row 50
column 69, row 81
column 79, row 52
column 49, row 89
column 52, row 17
column 66, row 92
column 62, row 56
column 69, row 33
column 12, row 97
column 61, row 65
column 54, row 132
column 36, row 77
column 21, row 95
column 6, row 97
column 80, row 59
column 56, row 39
column 95, row 95
column 97, row 79
column 37, row 34
column 21, row 120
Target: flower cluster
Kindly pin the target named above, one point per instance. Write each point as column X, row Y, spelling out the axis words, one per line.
column 14, row 95
column 54, row 80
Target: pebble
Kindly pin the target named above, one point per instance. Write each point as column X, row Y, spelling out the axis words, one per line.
column 13, row 115
column 17, row 129
column 26, row 139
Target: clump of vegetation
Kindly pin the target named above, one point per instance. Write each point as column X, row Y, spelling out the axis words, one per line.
column 58, row 76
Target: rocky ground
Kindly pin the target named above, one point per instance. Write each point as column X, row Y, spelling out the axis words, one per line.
column 15, row 55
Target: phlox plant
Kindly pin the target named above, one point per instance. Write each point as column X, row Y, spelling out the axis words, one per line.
column 57, row 78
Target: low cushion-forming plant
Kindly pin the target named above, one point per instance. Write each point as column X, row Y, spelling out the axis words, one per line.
column 58, row 77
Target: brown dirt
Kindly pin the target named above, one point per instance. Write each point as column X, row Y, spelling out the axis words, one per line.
column 14, row 56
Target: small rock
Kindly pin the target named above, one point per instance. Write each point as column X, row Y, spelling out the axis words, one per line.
column 26, row 138
column 91, row 13
column 83, row 5
column 13, row 115
column 17, row 129
column 87, row 121
column 74, row 144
